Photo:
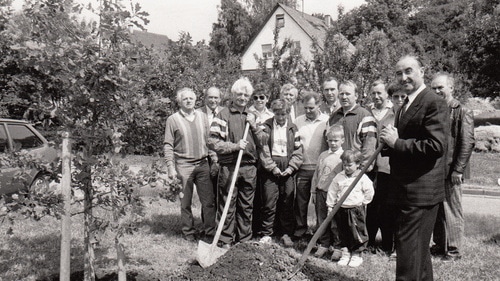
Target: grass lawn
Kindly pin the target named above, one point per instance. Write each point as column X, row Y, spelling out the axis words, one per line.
column 484, row 169
column 157, row 251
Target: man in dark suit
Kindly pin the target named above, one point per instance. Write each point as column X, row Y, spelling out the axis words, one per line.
column 417, row 150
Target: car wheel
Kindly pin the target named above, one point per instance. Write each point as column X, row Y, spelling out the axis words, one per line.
column 40, row 184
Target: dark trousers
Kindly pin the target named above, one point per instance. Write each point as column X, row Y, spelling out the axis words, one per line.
column 198, row 174
column 238, row 223
column 351, row 223
column 277, row 201
column 386, row 214
column 302, row 197
column 373, row 210
column 329, row 237
column 415, row 225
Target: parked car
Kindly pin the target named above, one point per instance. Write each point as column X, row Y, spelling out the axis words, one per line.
column 16, row 135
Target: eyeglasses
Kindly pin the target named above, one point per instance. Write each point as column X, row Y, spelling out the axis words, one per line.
column 402, row 97
column 259, row 97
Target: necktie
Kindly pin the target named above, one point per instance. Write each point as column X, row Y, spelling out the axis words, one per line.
column 403, row 108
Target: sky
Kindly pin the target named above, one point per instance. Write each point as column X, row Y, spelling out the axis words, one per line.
column 170, row 17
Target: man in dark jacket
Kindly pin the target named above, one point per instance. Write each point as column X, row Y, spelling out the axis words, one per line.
column 417, row 153
column 449, row 228
column 281, row 157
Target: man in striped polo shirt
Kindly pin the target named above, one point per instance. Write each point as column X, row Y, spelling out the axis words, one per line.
column 186, row 153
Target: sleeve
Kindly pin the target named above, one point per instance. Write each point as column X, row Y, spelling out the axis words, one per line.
column 265, row 158
column 465, row 140
column 315, row 178
column 217, row 140
column 368, row 137
column 367, row 188
column 297, row 157
column 433, row 143
column 168, row 142
column 331, row 196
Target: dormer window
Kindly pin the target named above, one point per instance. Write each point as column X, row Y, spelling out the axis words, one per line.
column 280, row 20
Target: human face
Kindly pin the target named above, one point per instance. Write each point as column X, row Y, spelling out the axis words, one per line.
column 378, row 95
column 334, row 142
column 187, row 101
column 350, row 167
column 442, row 87
column 330, row 91
column 347, row 96
column 260, row 101
column 311, row 109
column 241, row 98
column 280, row 117
column 212, row 98
column 409, row 74
column 398, row 99
column 290, row 95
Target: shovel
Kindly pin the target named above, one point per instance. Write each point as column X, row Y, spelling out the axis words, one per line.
column 329, row 218
column 209, row 253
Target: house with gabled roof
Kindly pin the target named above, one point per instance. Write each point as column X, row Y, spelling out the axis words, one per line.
column 302, row 29
column 150, row 40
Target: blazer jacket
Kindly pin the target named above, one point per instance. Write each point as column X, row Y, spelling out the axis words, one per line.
column 418, row 159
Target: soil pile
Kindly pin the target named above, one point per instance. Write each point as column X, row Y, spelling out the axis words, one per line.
column 248, row 261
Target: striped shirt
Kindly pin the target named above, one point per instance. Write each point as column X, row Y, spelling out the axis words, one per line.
column 186, row 141
column 360, row 130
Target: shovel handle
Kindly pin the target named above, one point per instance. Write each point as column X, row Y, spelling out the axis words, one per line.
column 231, row 189
column 327, row 220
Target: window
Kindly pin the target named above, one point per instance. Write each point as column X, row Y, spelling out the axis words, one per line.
column 280, row 20
column 267, row 51
column 295, row 46
column 4, row 143
column 23, row 137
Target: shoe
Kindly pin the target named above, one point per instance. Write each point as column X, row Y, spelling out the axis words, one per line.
column 336, row 255
column 356, row 260
column 223, row 245
column 321, row 251
column 346, row 257
column 266, row 239
column 437, row 250
column 189, row 238
column 450, row 258
column 207, row 238
column 287, row 241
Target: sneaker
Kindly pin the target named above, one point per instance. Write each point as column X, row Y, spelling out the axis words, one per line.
column 266, row 239
column 346, row 257
column 450, row 258
column 321, row 251
column 356, row 260
column 287, row 241
column 336, row 255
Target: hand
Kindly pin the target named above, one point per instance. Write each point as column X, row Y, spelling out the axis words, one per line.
column 456, row 178
column 313, row 198
column 214, row 169
column 389, row 135
column 288, row 171
column 251, row 119
column 242, row 144
column 172, row 173
column 276, row 172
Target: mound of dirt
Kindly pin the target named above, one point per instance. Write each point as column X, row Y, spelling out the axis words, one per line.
column 248, row 261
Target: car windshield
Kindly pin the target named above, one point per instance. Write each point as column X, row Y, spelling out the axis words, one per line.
column 23, row 137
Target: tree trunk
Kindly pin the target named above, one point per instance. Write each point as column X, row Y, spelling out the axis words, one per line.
column 89, row 257
column 65, row 261
column 120, row 258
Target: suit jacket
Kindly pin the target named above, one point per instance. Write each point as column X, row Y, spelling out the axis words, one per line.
column 418, row 159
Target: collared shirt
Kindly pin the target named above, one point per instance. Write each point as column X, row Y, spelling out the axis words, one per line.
column 413, row 96
column 362, row 193
column 329, row 165
column 189, row 116
column 280, row 142
column 211, row 114
column 380, row 113
column 261, row 116
column 311, row 136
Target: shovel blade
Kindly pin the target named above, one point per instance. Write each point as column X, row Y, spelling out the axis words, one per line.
column 208, row 254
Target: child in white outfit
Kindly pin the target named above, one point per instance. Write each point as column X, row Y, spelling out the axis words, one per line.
column 351, row 217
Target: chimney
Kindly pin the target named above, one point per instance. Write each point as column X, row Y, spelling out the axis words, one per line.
column 328, row 21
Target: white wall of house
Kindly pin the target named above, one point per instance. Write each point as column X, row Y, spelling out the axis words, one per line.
column 266, row 36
